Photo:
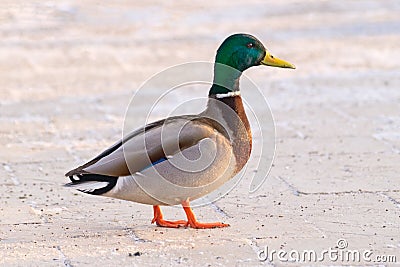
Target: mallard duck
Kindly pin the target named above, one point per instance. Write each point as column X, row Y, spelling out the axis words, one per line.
column 182, row 158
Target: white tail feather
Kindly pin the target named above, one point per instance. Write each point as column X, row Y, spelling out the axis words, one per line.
column 88, row 186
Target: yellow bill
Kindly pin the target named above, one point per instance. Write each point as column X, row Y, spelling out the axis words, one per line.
column 270, row 60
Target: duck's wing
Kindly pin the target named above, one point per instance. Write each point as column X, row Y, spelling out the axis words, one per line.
column 114, row 150
column 141, row 149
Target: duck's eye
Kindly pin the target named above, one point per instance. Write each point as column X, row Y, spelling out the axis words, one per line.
column 250, row 45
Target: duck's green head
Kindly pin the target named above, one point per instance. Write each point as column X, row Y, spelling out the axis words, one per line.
column 242, row 51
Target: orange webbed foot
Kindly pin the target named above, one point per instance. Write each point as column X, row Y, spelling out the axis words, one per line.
column 200, row 225
column 192, row 221
column 158, row 219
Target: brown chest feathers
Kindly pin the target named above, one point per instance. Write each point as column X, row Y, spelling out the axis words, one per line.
column 230, row 114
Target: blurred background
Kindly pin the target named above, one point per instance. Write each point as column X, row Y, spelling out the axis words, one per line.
column 68, row 70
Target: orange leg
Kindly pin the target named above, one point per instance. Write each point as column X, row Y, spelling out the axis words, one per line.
column 158, row 219
column 192, row 221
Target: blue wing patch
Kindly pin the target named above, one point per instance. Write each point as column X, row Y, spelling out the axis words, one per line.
column 155, row 163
